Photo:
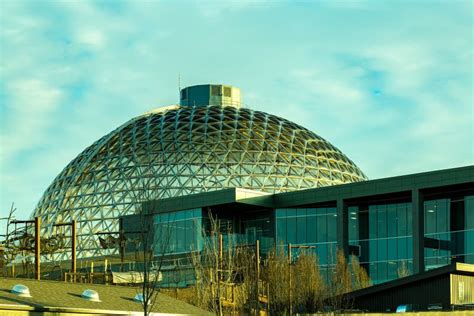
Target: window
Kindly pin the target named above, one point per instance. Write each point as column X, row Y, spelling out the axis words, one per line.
column 311, row 229
column 216, row 90
column 227, row 92
column 301, row 230
column 469, row 226
column 181, row 230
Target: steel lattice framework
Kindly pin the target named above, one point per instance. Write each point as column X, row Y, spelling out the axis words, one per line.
column 181, row 150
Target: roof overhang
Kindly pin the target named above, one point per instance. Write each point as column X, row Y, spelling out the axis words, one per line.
column 232, row 196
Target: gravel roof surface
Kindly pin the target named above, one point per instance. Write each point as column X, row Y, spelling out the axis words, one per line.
column 68, row 295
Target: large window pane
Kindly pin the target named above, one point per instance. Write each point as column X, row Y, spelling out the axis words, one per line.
column 281, row 212
column 311, row 229
column 402, row 248
column 332, row 225
column 353, row 220
column 469, row 227
column 382, row 271
column 381, row 221
column 372, row 222
column 178, row 232
column 392, row 249
column 301, row 230
column 291, row 230
column 402, row 221
column 392, row 220
column 322, row 228
column 281, row 231
column 382, row 249
column 322, row 252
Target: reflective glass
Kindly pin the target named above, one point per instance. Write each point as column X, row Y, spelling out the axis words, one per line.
column 389, row 240
column 332, row 227
column 353, row 220
column 301, row 230
column 281, row 230
column 382, row 272
column 312, row 229
column 437, row 228
column 469, row 226
column 291, row 230
column 392, row 248
column 392, row 220
column 392, row 270
column 322, row 228
column 177, row 232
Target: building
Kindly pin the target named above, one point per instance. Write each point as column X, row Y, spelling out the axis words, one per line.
column 419, row 221
column 449, row 287
column 267, row 179
column 207, row 143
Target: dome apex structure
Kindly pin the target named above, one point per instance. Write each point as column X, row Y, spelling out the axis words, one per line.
column 182, row 150
column 210, row 94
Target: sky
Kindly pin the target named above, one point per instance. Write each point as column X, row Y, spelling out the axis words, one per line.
column 389, row 83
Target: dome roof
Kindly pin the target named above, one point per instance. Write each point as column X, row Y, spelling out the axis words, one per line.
column 183, row 150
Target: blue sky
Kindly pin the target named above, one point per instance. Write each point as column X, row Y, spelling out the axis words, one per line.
column 390, row 83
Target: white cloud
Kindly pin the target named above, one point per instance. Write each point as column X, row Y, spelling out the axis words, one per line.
column 348, row 4
column 213, row 9
column 77, row 70
column 336, row 85
column 31, row 104
column 92, row 37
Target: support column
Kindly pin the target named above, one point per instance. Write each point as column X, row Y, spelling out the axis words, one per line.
column 73, row 246
column 342, row 227
column 37, row 248
column 418, row 228
column 122, row 243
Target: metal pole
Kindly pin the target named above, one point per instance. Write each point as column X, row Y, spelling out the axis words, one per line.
column 219, row 271
column 257, row 269
column 37, row 248
column 289, row 277
column 73, row 247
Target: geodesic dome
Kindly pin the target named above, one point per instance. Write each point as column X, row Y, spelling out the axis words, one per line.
column 182, row 150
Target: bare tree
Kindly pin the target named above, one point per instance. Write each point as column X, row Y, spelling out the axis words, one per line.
column 360, row 278
column 340, row 284
column 250, row 285
column 215, row 267
column 403, row 270
column 276, row 272
column 310, row 288
column 152, row 247
column 8, row 252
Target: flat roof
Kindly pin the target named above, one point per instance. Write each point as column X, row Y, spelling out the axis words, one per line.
column 60, row 296
column 393, row 185
column 212, row 198
column 383, row 186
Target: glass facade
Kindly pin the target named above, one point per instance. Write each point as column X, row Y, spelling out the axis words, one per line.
column 258, row 226
column 178, row 232
column 308, row 227
column 383, row 233
column 469, row 227
column 437, row 233
column 379, row 234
